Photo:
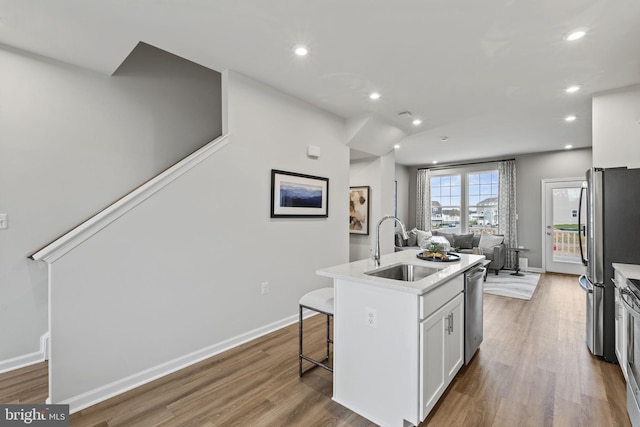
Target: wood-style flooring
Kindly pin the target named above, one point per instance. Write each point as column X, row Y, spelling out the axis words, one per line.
column 533, row 369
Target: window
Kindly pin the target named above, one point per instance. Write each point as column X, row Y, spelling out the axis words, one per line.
column 465, row 200
column 483, row 202
column 445, row 202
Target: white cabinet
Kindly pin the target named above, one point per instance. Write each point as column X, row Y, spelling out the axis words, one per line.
column 393, row 370
column 621, row 322
column 442, row 352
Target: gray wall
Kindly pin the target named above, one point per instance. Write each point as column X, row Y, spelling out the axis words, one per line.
column 403, row 175
column 179, row 277
column 531, row 170
column 73, row 142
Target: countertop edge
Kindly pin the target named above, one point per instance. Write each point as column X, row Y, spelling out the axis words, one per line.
column 630, row 271
column 354, row 271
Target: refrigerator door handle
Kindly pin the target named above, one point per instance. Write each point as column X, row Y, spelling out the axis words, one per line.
column 581, row 228
column 585, row 285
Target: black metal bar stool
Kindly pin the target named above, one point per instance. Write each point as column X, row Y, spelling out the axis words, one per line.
column 321, row 301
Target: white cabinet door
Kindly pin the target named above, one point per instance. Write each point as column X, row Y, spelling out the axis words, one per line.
column 621, row 324
column 432, row 342
column 454, row 342
column 618, row 318
column 442, row 352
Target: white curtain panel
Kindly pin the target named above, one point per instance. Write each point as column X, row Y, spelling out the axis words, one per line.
column 507, row 209
column 423, row 200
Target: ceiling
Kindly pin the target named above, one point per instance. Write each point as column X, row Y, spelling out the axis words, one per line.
column 489, row 75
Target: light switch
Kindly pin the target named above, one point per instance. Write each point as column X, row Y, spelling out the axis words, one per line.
column 4, row 224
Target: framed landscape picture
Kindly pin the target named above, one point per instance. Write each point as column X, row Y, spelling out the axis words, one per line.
column 359, row 210
column 298, row 195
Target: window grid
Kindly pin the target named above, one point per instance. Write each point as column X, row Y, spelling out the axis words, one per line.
column 446, row 201
column 483, row 188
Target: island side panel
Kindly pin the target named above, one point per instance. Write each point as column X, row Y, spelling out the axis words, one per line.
column 376, row 369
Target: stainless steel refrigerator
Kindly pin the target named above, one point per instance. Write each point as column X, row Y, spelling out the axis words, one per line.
column 612, row 234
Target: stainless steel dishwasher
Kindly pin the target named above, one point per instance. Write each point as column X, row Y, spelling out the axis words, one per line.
column 473, row 302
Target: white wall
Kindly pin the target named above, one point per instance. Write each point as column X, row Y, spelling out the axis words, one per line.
column 402, row 202
column 180, row 276
column 74, row 141
column 616, row 128
column 379, row 174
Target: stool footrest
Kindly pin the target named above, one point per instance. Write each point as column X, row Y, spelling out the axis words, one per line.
column 315, row 363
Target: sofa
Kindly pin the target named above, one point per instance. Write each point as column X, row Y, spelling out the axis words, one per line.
column 490, row 245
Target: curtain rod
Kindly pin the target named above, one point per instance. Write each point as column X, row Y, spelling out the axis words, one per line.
column 464, row 164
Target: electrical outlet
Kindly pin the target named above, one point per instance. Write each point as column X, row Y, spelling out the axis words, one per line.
column 4, row 224
column 265, row 288
column 371, row 317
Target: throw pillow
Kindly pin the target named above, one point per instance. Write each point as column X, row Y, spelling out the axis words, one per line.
column 476, row 240
column 421, row 235
column 413, row 237
column 463, row 241
column 488, row 241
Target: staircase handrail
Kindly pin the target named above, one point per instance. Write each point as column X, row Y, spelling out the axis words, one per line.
column 80, row 233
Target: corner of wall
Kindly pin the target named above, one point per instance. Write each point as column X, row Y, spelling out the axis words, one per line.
column 224, row 86
column 28, row 359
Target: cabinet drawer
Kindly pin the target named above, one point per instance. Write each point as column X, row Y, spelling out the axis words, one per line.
column 433, row 300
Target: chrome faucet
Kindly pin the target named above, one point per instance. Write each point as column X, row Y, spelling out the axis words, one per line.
column 376, row 256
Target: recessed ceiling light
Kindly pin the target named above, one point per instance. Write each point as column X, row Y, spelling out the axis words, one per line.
column 301, row 50
column 435, row 162
column 444, row 138
column 396, row 146
column 570, row 118
column 416, row 122
column 572, row 88
column 576, row 35
column 374, row 95
column 568, row 147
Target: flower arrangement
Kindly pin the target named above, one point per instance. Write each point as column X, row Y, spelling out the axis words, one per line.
column 435, row 250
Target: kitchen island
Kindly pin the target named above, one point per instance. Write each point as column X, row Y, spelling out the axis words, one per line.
column 398, row 344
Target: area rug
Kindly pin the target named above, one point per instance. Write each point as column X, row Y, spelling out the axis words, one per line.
column 506, row 285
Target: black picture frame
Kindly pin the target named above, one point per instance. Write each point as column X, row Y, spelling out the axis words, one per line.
column 296, row 195
column 359, row 209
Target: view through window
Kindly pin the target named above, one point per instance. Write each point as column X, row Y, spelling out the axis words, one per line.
column 566, row 238
column 474, row 193
column 445, row 202
column 483, row 202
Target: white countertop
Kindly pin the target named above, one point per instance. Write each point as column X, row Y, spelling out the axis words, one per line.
column 630, row 271
column 354, row 271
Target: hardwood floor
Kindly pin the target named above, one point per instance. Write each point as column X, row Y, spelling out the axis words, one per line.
column 533, row 369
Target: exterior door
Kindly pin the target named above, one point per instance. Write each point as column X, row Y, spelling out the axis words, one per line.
column 561, row 237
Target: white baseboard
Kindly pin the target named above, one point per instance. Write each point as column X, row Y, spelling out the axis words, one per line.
column 108, row 391
column 535, row 270
column 27, row 359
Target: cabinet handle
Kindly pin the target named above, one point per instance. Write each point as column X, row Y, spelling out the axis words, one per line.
column 450, row 323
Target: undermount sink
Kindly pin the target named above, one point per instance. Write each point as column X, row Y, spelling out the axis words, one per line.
column 403, row 272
